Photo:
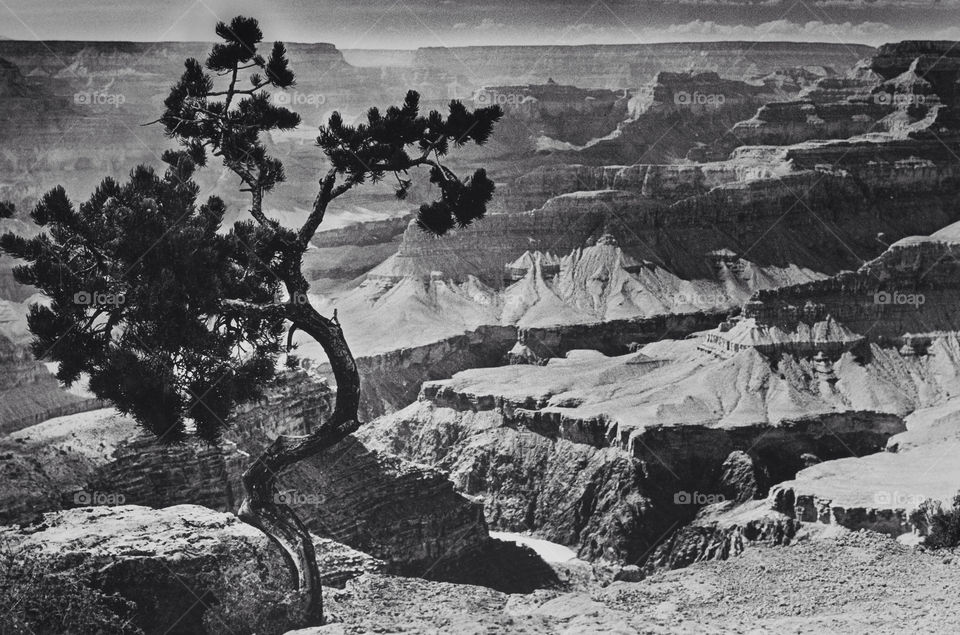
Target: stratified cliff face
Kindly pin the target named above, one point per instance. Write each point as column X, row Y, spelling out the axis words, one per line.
column 938, row 62
column 784, row 123
column 391, row 380
column 585, row 497
column 346, row 253
column 906, row 104
column 822, row 213
column 908, row 293
column 557, row 113
column 101, row 457
column 658, row 182
column 676, row 115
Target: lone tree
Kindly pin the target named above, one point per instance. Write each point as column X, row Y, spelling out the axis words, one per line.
column 177, row 322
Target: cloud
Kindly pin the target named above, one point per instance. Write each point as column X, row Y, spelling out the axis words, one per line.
column 848, row 32
column 812, row 31
column 841, row 4
column 484, row 25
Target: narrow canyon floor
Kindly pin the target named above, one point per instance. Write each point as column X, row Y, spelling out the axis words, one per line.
column 829, row 581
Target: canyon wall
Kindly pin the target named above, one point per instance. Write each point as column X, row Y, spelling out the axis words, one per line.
column 909, row 290
column 792, row 122
column 565, row 113
column 898, row 189
column 937, row 62
column 101, row 457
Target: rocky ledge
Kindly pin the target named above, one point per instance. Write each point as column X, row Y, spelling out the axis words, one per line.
column 610, row 455
column 176, row 563
column 408, row 515
column 879, row 492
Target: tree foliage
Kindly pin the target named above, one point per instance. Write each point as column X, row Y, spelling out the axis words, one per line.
column 174, row 319
column 141, row 283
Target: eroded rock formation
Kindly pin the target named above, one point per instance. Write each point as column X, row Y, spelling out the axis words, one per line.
column 608, row 454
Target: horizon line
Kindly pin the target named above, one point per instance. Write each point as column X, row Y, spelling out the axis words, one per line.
column 504, row 45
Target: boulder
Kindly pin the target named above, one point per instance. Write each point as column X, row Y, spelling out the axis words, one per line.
column 175, row 563
column 723, row 531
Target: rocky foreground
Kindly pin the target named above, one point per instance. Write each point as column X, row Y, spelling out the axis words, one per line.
column 182, row 563
column 850, row 582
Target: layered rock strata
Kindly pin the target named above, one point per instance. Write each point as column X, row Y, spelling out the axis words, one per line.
column 905, row 296
column 101, row 457
column 601, row 453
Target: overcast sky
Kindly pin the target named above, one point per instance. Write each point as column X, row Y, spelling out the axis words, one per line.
column 413, row 23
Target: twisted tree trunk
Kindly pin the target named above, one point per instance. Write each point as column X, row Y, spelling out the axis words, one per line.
column 260, row 507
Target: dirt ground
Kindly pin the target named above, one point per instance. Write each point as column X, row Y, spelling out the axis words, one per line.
column 829, row 582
